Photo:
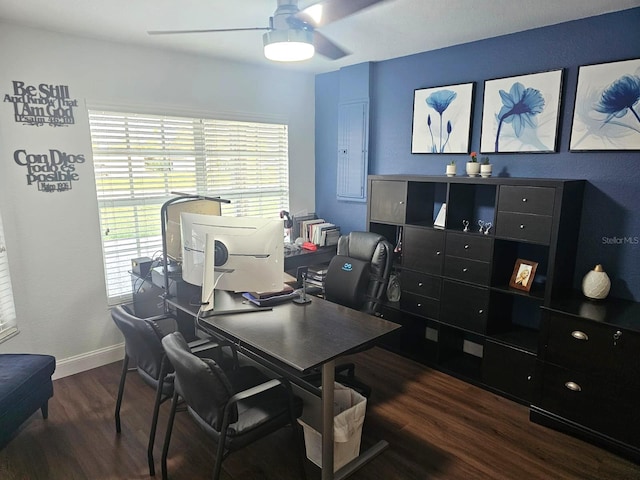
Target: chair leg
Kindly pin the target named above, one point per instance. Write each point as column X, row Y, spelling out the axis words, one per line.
column 156, row 410
column 220, row 452
column 123, row 377
column 298, row 438
column 45, row 410
column 167, row 436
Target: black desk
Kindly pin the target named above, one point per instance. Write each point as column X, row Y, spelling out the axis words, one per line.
column 301, row 258
column 297, row 339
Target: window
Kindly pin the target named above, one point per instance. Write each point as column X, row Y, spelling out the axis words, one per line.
column 140, row 159
column 8, row 326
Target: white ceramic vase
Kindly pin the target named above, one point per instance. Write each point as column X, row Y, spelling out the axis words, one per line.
column 485, row 170
column 451, row 170
column 596, row 283
column 473, row 169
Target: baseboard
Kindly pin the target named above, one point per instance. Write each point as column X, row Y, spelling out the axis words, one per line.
column 89, row 360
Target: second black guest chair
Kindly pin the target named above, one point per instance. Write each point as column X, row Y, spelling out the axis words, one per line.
column 234, row 407
column 143, row 347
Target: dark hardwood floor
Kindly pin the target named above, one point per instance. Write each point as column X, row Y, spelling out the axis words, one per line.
column 438, row 428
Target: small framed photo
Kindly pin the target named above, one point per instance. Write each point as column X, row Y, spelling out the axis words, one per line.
column 523, row 273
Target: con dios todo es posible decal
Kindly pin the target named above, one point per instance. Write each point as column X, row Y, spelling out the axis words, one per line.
column 42, row 104
column 53, row 171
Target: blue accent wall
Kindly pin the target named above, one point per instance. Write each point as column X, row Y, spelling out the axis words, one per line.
column 610, row 231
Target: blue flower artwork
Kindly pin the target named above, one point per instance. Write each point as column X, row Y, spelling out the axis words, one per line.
column 521, row 113
column 607, row 110
column 442, row 119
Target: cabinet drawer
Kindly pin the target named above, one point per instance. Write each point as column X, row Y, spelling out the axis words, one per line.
column 607, row 407
column 388, row 201
column 537, row 200
column 523, row 226
column 509, row 370
column 419, row 305
column 474, row 247
column 423, row 250
column 467, row 270
column 421, row 284
column 588, row 346
column 464, row 306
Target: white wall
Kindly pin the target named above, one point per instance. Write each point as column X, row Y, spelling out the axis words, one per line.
column 53, row 239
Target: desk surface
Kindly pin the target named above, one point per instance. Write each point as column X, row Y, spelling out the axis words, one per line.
column 300, row 336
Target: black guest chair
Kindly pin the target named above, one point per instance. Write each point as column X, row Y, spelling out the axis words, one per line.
column 234, row 407
column 143, row 347
column 357, row 278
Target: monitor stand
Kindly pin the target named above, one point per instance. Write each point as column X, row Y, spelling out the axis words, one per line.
column 303, row 299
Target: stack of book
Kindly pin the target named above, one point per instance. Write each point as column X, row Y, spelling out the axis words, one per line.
column 316, row 275
column 271, row 298
column 315, row 230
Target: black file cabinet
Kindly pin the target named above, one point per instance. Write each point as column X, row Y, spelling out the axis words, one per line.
column 588, row 372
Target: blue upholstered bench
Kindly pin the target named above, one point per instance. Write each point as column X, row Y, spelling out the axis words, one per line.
column 25, row 386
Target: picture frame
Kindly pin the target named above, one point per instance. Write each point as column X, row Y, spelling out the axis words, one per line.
column 523, row 274
column 521, row 114
column 442, row 119
column 604, row 115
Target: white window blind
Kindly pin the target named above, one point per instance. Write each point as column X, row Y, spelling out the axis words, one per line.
column 140, row 159
column 8, row 326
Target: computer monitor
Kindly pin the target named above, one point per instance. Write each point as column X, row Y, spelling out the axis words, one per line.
column 174, row 210
column 247, row 253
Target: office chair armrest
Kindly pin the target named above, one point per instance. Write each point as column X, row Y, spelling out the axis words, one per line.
column 165, row 324
column 205, row 345
column 263, row 387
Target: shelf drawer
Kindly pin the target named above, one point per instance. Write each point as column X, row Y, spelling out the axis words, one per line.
column 421, row 284
column 474, row 247
column 423, row 250
column 464, row 306
column 524, row 226
column 591, row 347
column 419, row 305
column 467, row 270
column 607, row 407
column 536, row 200
column 388, row 201
column 509, row 370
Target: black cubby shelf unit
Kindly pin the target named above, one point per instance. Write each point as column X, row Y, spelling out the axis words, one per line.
column 458, row 311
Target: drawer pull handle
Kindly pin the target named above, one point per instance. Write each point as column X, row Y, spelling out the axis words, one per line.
column 419, row 305
column 528, row 377
column 524, row 199
column 401, row 203
column 438, row 252
column 464, row 269
column 578, row 335
column 466, row 247
column 574, row 387
column 522, row 226
column 419, row 284
column 481, row 311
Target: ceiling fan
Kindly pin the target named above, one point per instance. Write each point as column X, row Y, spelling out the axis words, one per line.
column 291, row 34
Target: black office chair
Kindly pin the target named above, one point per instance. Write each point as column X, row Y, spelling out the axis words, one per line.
column 142, row 340
column 234, row 407
column 357, row 277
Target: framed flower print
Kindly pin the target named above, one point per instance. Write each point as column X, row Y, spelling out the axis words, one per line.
column 606, row 114
column 521, row 114
column 442, row 119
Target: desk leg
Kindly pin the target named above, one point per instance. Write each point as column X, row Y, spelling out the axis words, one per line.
column 328, row 376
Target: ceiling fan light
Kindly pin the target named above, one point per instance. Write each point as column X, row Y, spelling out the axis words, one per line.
column 288, row 45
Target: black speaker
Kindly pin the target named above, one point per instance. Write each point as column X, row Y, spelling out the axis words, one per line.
column 140, row 266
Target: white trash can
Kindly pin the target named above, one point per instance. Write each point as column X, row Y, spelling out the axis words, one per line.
column 349, row 409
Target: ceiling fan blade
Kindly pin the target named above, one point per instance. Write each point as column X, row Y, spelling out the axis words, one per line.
column 171, row 32
column 327, row 48
column 327, row 11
